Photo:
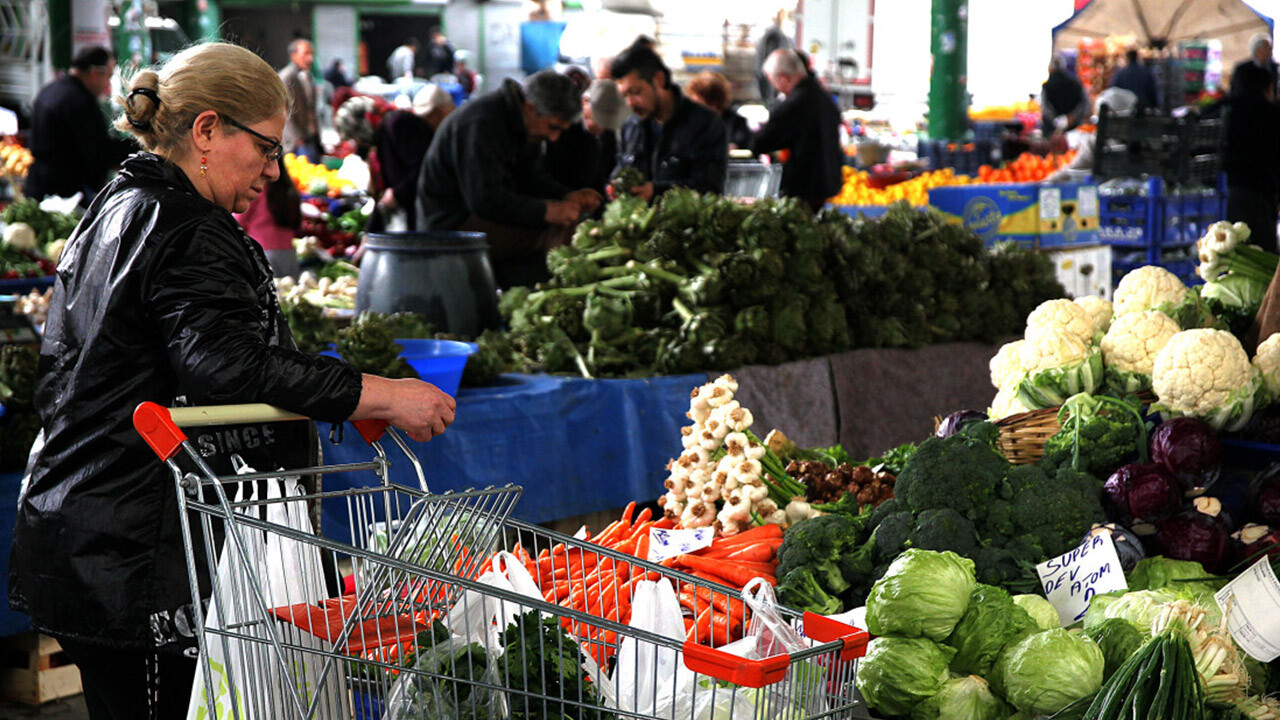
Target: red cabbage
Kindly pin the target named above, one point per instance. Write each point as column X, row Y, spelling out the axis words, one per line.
column 1252, row 541
column 1190, row 451
column 1264, row 496
column 957, row 421
column 1141, row 495
column 1128, row 546
column 1193, row 535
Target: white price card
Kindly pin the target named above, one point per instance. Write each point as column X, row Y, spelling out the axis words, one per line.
column 1050, row 203
column 1071, row 580
column 1087, row 202
column 1252, row 605
column 665, row 544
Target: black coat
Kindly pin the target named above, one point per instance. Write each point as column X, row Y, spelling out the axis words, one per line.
column 690, row 149
column 159, row 296
column 402, row 145
column 1139, row 80
column 69, row 142
column 807, row 123
column 482, row 163
column 578, row 159
column 1252, row 155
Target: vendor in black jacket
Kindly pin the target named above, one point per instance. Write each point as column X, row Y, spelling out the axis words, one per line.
column 484, row 173
column 670, row 139
column 807, row 124
column 69, row 141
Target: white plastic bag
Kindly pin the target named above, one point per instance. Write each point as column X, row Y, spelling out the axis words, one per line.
column 646, row 674
column 481, row 618
column 770, row 634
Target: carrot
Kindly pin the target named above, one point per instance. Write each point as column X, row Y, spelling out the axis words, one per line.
column 749, row 553
column 730, row 606
column 701, row 630
column 642, row 523
column 642, row 547
column 627, row 513
column 665, row 523
column 746, row 537
column 627, row 546
column 738, row 573
column 606, row 538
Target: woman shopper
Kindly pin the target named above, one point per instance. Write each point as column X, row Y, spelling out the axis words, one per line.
column 160, row 296
column 273, row 219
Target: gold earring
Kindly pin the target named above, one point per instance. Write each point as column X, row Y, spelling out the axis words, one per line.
column 204, row 166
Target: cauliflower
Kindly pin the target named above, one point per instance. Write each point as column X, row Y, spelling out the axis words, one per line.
column 1006, row 366
column 1130, row 347
column 1063, row 314
column 1205, row 373
column 1006, row 403
column 1099, row 310
column 1058, row 364
column 20, row 235
column 1267, row 361
column 1148, row 288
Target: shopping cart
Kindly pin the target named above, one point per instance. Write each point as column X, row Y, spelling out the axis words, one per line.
column 404, row 642
column 753, row 179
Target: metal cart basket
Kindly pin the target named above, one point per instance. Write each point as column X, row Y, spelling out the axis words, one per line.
column 404, row 642
column 752, row 179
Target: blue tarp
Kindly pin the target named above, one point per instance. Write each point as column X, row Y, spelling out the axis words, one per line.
column 576, row 446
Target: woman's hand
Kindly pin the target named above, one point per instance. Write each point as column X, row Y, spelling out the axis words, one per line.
column 418, row 408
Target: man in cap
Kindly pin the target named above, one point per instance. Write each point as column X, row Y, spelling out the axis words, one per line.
column 586, row 153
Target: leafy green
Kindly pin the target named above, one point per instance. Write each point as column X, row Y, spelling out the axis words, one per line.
column 923, row 593
column 1118, row 639
column 990, row 622
column 899, row 673
column 962, row 698
column 1098, row 435
column 540, row 660
column 1046, row 671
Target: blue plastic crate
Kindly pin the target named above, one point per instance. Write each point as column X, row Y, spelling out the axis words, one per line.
column 1157, row 223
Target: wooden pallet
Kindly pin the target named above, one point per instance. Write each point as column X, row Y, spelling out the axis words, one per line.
column 34, row 670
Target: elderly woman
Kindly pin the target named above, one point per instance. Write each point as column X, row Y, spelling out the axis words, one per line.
column 716, row 92
column 160, row 296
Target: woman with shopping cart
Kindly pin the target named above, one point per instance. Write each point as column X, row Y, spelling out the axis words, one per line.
column 161, row 297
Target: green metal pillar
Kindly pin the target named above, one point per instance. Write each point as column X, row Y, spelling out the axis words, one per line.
column 203, row 20
column 948, row 94
column 59, row 33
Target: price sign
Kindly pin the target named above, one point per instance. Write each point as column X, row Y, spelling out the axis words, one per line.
column 1252, row 605
column 1071, row 580
column 665, row 544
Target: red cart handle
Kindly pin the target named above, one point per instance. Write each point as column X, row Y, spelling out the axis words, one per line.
column 759, row 673
column 159, row 425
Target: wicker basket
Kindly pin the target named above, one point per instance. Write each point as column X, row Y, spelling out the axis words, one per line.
column 1022, row 436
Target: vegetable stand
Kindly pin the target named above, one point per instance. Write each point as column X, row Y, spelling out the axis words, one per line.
column 417, row 633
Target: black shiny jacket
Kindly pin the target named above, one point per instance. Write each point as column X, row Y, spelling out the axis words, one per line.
column 159, row 296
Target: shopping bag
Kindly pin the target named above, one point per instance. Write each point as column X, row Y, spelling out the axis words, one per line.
column 770, row 634
column 295, row 575
column 251, row 681
column 481, row 618
column 648, row 676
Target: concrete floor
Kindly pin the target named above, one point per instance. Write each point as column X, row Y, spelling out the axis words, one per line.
column 71, row 708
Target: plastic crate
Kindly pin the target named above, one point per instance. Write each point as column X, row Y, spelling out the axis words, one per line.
column 964, row 158
column 1160, row 227
column 1185, row 150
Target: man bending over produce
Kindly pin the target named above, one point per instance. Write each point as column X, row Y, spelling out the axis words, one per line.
column 484, row 173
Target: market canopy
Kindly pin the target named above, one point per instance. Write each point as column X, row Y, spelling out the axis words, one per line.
column 1164, row 23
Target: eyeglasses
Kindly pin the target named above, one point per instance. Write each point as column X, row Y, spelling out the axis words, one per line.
column 277, row 150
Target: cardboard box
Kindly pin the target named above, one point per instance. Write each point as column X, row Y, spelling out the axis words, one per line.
column 1068, row 215
column 995, row 212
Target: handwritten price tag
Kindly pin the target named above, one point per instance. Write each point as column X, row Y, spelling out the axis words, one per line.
column 1071, row 580
column 665, row 544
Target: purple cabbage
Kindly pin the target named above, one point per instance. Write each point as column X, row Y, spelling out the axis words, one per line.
column 1141, row 496
column 1264, row 496
column 1190, row 451
column 957, row 421
column 1198, row 536
column 1128, row 546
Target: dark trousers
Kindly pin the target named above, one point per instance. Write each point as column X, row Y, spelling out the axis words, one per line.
column 132, row 684
column 518, row 254
column 1257, row 209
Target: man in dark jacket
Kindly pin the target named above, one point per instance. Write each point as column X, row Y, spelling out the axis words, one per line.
column 1252, row 157
column 1062, row 99
column 1137, row 79
column 69, row 141
column 670, row 139
column 807, row 125
column 484, row 173
column 1258, row 69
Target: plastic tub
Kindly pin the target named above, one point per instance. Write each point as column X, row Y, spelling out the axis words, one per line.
column 439, row 362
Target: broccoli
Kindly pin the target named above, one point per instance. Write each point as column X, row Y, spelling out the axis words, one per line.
column 802, row 591
column 882, row 511
column 1053, row 510
column 944, row 529
column 892, row 535
column 1098, row 435
column 962, row 472
column 811, row 552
